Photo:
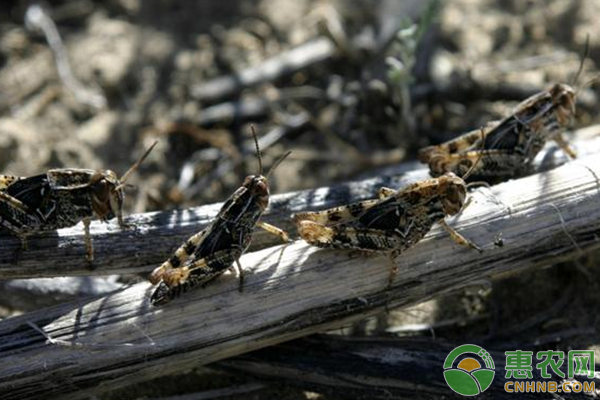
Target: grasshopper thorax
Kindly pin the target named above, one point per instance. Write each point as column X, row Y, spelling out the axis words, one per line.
column 107, row 194
column 257, row 187
column 453, row 193
column 563, row 98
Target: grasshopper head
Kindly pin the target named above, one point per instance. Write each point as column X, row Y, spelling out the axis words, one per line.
column 107, row 194
column 257, row 187
column 453, row 193
column 108, row 191
column 563, row 98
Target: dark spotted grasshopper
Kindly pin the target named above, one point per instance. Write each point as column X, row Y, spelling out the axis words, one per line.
column 508, row 147
column 390, row 224
column 61, row 198
column 212, row 251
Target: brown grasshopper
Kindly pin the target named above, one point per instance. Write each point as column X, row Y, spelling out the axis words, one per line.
column 212, row 251
column 61, row 198
column 390, row 224
column 508, row 147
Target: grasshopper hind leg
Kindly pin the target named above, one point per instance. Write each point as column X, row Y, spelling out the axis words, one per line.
column 173, row 282
column 458, row 238
column 274, row 231
column 162, row 295
column 181, row 255
column 564, row 146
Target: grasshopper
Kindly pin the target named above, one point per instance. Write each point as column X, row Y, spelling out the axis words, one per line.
column 508, row 147
column 61, row 198
column 212, row 251
column 390, row 224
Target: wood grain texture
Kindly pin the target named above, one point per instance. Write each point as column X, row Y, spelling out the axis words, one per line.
column 157, row 234
column 78, row 349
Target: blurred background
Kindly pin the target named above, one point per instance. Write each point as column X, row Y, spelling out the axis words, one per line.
column 350, row 87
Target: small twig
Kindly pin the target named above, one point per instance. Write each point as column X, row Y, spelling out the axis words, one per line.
column 241, row 110
column 524, row 64
column 287, row 62
column 37, row 18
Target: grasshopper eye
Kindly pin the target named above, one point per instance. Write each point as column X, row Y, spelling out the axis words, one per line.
column 260, row 191
column 454, row 199
column 101, row 190
column 248, row 181
column 458, row 194
column 567, row 101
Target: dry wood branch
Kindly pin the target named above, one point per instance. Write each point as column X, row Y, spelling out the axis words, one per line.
column 293, row 291
column 287, row 62
column 156, row 235
column 371, row 368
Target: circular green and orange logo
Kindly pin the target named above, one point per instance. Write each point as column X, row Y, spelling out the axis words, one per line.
column 469, row 377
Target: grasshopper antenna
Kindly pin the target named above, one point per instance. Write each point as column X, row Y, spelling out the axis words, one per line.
column 258, row 155
column 135, row 166
column 470, row 170
column 576, row 78
column 583, row 57
column 279, row 161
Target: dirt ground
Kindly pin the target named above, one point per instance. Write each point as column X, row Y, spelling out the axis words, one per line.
column 140, row 70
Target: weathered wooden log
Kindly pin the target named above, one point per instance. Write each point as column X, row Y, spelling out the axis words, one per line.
column 380, row 368
column 88, row 347
column 157, row 234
